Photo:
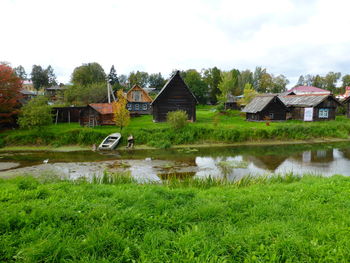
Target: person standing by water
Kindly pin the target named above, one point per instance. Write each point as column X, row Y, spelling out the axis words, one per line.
column 130, row 141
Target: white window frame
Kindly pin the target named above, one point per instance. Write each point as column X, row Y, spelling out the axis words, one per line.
column 144, row 106
column 137, row 106
column 129, row 106
column 323, row 113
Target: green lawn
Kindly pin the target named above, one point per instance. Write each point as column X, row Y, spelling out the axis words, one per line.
column 210, row 127
column 275, row 220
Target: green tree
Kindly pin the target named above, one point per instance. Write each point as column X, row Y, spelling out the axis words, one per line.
column 35, row 114
column 331, row 80
column 212, row 77
column 280, row 83
column 318, row 82
column 177, row 119
column 39, row 77
column 51, row 76
column 249, row 94
column 229, row 84
column 245, row 77
column 156, row 81
column 195, row 83
column 140, row 78
column 83, row 95
column 346, row 81
column 113, row 77
column 88, row 74
column 20, row 72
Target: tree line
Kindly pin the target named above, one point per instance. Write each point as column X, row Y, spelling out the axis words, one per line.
column 211, row 85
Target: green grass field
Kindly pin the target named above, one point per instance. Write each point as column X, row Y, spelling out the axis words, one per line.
column 289, row 219
column 210, row 127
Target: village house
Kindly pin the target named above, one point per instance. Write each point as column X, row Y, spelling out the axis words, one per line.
column 310, row 107
column 265, row 107
column 55, row 92
column 67, row 114
column 175, row 95
column 139, row 102
column 304, row 90
column 97, row 114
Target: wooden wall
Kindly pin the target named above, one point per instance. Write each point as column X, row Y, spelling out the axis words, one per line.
column 275, row 111
column 91, row 117
column 175, row 97
column 297, row 113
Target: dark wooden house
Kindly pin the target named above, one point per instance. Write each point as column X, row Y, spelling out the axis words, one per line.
column 97, row 114
column 139, row 102
column 265, row 107
column 55, row 92
column 175, row 95
column 67, row 114
column 346, row 104
column 321, row 107
column 231, row 103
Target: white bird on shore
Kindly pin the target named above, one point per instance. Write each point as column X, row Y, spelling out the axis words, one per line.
column 46, row 161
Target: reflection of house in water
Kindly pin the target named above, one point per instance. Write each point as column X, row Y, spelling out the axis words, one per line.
column 346, row 153
column 318, row 156
column 266, row 162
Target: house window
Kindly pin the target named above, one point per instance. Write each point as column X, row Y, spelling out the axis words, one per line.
column 323, row 113
column 137, row 106
column 271, row 116
column 129, row 106
column 137, row 95
column 144, row 106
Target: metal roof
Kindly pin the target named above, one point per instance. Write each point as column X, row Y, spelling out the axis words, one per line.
column 259, row 103
column 309, row 89
column 103, row 108
column 304, row 100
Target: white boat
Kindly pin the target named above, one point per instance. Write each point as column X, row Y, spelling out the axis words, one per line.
column 110, row 142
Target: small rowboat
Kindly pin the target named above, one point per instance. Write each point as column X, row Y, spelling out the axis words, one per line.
column 110, row 142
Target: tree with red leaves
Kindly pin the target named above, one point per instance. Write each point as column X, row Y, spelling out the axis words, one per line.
column 10, row 95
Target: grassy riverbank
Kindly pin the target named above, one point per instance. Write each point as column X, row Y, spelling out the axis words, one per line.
column 268, row 220
column 210, row 128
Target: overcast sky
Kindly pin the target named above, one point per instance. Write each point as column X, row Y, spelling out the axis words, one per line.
column 290, row 37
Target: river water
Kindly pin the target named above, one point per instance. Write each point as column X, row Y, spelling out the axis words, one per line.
column 155, row 165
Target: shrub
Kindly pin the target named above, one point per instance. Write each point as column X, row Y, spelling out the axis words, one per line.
column 177, row 119
column 35, row 114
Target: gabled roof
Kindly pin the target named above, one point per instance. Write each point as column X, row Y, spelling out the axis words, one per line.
column 102, row 108
column 260, row 102
column 135, row 87
column 307, row 100
column 168, row 84
column 309, row 89
column 347, row 100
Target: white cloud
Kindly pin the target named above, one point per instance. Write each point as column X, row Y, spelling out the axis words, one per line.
column 289, row 37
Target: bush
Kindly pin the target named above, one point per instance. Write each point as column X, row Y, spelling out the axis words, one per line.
column 177, row 119
column 35, row 114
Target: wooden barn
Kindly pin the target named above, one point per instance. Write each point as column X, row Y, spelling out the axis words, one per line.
column 139, row 102
column 311, row 107
column 175, row 95
column 346, row 104
column 97, row 114
column 67, row 114
column 265, row 107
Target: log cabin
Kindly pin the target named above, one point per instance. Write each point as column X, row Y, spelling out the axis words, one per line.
column 265, row 107
column 322, row 107
column 97, row 114
column 139, row 102
column 67, row 114
column 175, row 95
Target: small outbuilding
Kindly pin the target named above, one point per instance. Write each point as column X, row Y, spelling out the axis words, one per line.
column 97, row 114
column 175, row 95
column 265, row 107
column 139, row 102
column 310, row 107
column 67, row 114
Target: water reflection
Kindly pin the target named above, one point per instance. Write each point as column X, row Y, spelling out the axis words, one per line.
column 152, row 166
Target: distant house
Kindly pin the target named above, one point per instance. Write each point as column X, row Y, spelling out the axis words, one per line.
column 97, row 114
column 303, row 90
column 346, row 104
column 27, row 95
column 55, row 92
column 139, row 102
column 175, row 95
column 265, row 107
column 231, row 102
column 318, row 107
